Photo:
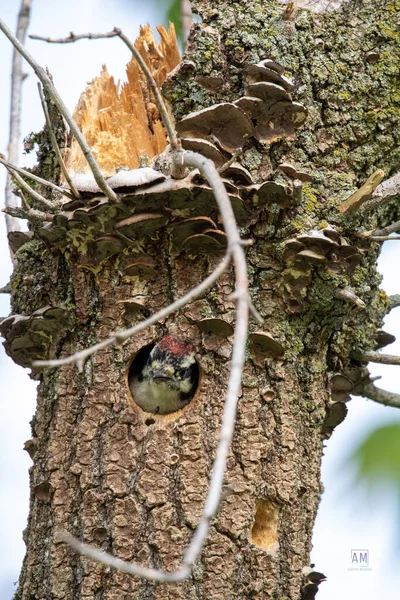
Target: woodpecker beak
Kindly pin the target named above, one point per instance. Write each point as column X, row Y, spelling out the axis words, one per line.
column 160, row 376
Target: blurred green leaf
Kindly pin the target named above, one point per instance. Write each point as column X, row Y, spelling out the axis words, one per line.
column 174, row 15
column 377, row 458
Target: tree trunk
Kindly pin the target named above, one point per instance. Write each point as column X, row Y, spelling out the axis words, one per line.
column 133, row 483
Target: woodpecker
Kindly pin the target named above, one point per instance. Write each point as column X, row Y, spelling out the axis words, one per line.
column 313, row 579
column 168, row 379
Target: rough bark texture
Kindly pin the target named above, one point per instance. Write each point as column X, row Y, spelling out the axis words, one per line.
column 136, row 485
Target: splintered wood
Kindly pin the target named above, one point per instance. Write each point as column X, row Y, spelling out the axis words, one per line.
column 122, row 124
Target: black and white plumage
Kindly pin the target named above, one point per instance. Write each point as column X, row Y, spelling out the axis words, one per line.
column 168, row 379
column 313, row 579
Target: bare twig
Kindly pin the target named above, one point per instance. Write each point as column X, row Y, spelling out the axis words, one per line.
column 384, row 238
column 51, row 90
column 348, row 295
column 55, row 144
column 384, row 359
column 121, row 336
column 6, row 289
column 17, row 77
column 392, row 228
column 382, row 396
column 34, row 177
column 394, row 301
column 229, row 162
column 386, row 191
column 117, row 563
column 74, row 38
column 22, row 213
column 35, row 195
column 364, row 193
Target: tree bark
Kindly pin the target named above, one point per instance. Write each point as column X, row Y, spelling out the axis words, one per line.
column 135, row 484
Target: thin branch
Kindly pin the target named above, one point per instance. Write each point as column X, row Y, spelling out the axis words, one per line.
column 34, row 177
column 25, row 186
column 384, row 238
column 74, row 38
column 382, row 396
column 386, row 191
column 383, row 359
column 17, row 77
column 348, row 295
column 119, row 337
column 31, row 214
column 394, row 301
column 55, row 144
column 6, row 289
column 173, row 138
column 130, row 568
column 393, row 228
column 51, row 90
column 364, row 193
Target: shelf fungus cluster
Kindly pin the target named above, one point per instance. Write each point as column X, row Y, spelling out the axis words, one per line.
column 29, row 338
column 266, row 113
column 325, row 247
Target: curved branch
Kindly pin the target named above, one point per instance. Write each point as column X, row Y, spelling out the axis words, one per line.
column 119, row 337
column 381, row 396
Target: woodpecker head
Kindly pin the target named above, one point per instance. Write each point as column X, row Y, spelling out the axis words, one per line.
column 168, row 378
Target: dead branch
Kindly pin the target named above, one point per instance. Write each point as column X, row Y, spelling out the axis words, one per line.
column 51, row 90
column 386, row 191
column 55, row 145
column 381, row 396
column 383, row 359
column 394, row 301
column 34, row 177
column 17, row 77
column 348, row 295
column 73, row 38
column 41, row 200
column 384, row 238
column 393, row 228
column 6, row 289
column 364, row 193
column 31, row 214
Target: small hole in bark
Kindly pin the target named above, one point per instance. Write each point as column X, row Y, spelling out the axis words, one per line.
column 167, row 383
column 264, row 532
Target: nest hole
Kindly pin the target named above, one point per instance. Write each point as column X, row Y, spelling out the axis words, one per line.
column 136, row 367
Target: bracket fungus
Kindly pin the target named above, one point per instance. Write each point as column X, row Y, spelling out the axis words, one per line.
column 307, row 250
column 29, row 338
column 225, row 122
